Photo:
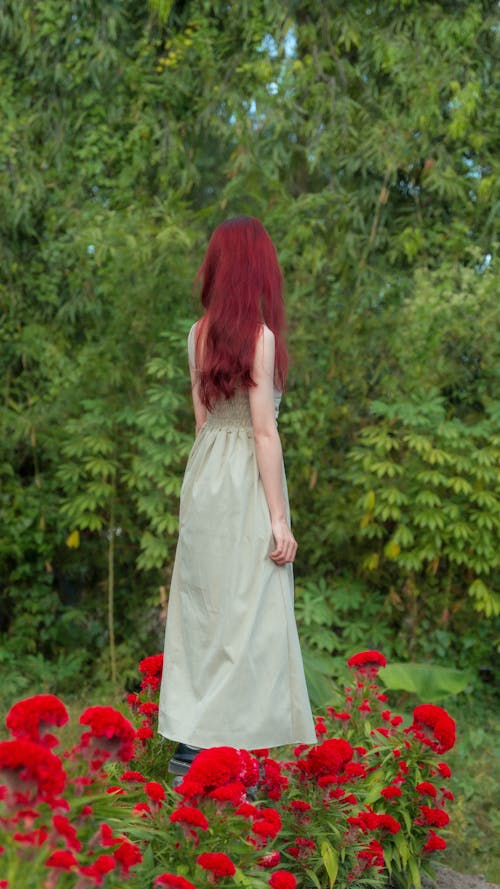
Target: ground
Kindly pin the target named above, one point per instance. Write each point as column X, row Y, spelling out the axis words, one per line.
column 450, row 879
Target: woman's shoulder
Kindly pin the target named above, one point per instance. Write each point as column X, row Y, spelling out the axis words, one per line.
column 265, row 333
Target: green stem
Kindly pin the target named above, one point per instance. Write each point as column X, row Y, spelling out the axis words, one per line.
column 111, row 591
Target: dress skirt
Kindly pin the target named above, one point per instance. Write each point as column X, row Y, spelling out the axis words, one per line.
column 233, row 672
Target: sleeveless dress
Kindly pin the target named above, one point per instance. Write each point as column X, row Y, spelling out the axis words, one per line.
column 233, row 673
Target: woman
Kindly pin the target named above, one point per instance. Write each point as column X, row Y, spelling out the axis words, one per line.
column 233, row 672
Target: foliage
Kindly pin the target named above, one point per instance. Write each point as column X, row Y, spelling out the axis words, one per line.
column 351, row 810
column 365, row 137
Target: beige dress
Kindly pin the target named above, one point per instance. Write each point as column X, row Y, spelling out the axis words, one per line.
column 233, row 672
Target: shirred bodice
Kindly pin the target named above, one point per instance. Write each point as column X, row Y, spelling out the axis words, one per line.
column 234, row 411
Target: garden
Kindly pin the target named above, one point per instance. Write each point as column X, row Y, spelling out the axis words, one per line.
column 365, row 136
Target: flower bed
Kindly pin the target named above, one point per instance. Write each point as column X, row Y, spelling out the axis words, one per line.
column 368, row 802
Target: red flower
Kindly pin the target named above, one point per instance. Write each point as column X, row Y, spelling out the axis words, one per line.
column 390, row 792
column 303, row 848
column 28, row 718
column 434, row 817
column 30, row 773
column 61, row 858
column 320, row 726
column 273, row 782
column 373, row 855
column 127, row 855
column 247, row 810
column 327, row 758
column 299, row 805
column 149, row 708
column 367, row 662
column 144, row 733
column 218, row 766
column 36, row 837
column 64, row 828
column 270, row 860
column 335, row 714
column 190, row 816
column 155, row 791
column 98, row 869
column 444, row 769
column 433, row 726
column 219, row 864
column 142, row 810
column 110, row 736
column 282, row 879
column 434, row 843
column 426, row 789
column 133, row 776
column 233, row 793
column 388, row 823
column 173, row 881
column 152, row 667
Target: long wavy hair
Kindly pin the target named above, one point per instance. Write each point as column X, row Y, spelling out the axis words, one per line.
column 241, row 287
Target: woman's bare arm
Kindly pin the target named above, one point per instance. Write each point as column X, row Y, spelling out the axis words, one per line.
column 268, row 446
column 200, row 411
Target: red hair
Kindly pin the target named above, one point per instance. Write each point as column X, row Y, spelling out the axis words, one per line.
column 241, row 287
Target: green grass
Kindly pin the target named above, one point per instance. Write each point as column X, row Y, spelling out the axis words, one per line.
column 474, row 816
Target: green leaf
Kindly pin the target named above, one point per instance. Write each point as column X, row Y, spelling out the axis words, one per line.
column 330, row 860
column 428, row 681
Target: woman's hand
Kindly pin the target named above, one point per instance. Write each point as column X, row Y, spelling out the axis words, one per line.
column 286, row 545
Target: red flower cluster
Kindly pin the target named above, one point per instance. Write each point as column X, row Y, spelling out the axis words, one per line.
column 368, row 663
column 328, row 758
column 28, row 718
column 217, row 864
column 190, row 819
column 173, row 881
column 217, row 767
column 30, row 773
column 152, row 668
column 282, row 879
column 111, row 736
column 434, row 727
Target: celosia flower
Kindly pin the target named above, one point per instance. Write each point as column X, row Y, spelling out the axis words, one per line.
column 30, row 773
column 434, row 843
column 133, row 776
column 61, row 858
column 27, row 719
column 189, row 816
column 98, row 869
column 373, row 855
column 444, row 769
column 64, row 828
column 367, row 662
column 152, row 667
column 282, row 879
column 233, row 793
column 302, row 848
column 110, row 736
column 327, row 758
column 35, row 837
column 127, row 855
column 426, row 789
column 218, row 766
column 149, row 708
column 155, row 791
column 390, row 792
column 272, row 780
column 218, row 864
column 335, row 714
column 433, row 726
column 247, row 810
column 433, row 817
column 144, row 733
column 173, row 881
column 271, row 859
column 142, row 810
